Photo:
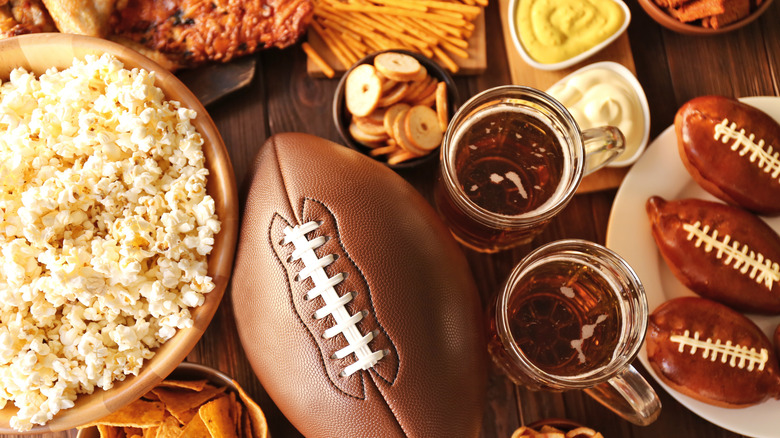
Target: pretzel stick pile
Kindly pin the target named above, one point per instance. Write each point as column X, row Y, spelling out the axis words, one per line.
column 351, row 29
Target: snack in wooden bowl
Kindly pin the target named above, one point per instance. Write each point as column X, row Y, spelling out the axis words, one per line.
column 395, row 106
column 704, row 17
column 719, row 251
column 119, row 286
column 732, row 150
column 712, row 353
column 555, row 428
column 194, row 401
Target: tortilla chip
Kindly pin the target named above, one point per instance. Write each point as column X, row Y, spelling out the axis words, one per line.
column 237, row 409
column 185, row 417
column 246, row 425
column 133, row 431
column 150, row 396
column 259, row 424
column 195, row 429
column 106, row 431
column 140, row 413
column 194, row 385
column 218, row 418
column 179, row 401
column 170, row 428
column 151, row 432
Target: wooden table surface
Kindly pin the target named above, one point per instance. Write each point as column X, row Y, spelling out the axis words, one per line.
column 672, row 68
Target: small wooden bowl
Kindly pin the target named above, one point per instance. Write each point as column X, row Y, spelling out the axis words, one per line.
column 664, row 19
column 36, row 53
column 342, row 117
column 185, row 371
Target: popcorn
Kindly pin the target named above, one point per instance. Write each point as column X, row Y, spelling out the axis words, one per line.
column 105, row 226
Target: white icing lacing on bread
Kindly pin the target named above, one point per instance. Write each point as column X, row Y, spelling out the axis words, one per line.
column 324, row 287
column 736, row 355
column 747, row 261
column 766, row 159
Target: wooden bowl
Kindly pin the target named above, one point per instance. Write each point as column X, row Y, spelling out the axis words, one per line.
column 664, row 19
column 36, row 53
column 185, row 371
column 342, row 117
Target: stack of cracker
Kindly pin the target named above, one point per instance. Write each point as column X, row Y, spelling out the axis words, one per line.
column 711, row 13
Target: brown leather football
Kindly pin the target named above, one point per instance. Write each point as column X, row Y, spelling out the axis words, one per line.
column 719, row 251
column 732, row 150
column 355, row 306
column 712, row 353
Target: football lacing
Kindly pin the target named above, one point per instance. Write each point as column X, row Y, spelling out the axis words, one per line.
column 324, row 287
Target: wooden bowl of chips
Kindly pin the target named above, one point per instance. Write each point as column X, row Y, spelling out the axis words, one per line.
column 38, row 52
column 431, row 96
column 664, row 17
column 555, row 428
column 194, row 400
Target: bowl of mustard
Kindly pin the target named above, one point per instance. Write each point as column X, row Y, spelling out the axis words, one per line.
column 556, row 34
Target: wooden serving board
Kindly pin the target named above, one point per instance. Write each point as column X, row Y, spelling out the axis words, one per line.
column 476, row 63
column 523, row 74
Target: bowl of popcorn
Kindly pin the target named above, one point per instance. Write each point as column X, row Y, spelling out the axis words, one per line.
column 118, row 225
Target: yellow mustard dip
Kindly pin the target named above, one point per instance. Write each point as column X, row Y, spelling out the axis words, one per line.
column 553, row 31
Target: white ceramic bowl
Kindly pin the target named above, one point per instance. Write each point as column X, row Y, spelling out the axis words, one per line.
column 623, row 159
column 513, row 5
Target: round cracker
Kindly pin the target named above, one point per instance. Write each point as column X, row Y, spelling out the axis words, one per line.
column 397, row 66
column 399, row 134
column 421, row 126
column 363, row 90
column 392, row 113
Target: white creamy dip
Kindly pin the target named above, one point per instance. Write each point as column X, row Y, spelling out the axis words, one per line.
column 599, row 97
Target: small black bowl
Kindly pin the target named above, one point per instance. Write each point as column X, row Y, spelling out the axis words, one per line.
column 342, row 117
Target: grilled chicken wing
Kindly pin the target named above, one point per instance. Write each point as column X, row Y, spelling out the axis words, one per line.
column 190, row 32
column 18, row 17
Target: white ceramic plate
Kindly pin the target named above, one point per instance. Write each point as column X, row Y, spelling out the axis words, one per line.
column 632, row 81
column 571, row 61
column 660, row 172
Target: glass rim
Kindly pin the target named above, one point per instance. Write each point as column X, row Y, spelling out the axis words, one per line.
column 505, row 94
column 638, row 324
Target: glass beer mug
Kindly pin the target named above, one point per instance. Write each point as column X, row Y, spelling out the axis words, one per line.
column 511, row 159
column 573, row 315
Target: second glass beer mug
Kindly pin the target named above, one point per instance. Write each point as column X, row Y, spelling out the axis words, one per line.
column 511, row 159
column 573, row 315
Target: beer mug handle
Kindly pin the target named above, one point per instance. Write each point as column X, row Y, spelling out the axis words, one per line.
column 602, row 145
column 629, row 395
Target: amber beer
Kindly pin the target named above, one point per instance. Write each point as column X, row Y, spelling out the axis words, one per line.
column 564, row 317
column 507, row 162
column 511, row 159
column 572, row 315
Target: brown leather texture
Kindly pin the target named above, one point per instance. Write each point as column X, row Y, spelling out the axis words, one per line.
column 710, row 379
column 733, row 176
column 406, row 273
column 696, row 263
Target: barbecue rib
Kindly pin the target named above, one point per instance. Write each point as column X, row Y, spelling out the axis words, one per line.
column 190, row 32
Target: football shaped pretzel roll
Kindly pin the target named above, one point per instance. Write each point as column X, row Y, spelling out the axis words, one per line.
column 720, row 252
column 732, row 150
column 711, row 353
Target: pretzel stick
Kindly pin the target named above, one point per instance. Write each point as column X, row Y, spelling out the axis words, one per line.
column 327, row 70
column 446, row 60
column 402, row 12
column 331, row 45
column 414, row 6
